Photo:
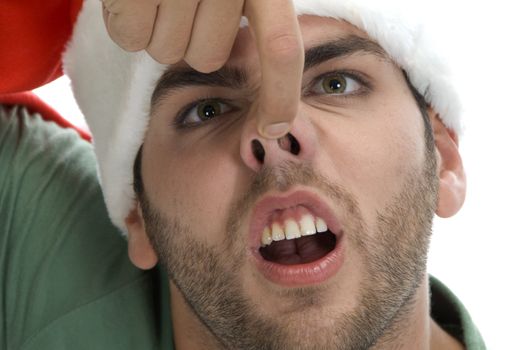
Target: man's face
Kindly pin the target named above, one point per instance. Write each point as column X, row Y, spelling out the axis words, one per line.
column 357, row 159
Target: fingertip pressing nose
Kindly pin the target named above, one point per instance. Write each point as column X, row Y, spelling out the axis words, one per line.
column 275, row 131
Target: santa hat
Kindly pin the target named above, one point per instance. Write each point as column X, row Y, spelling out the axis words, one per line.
column 33, row 34
column 113, row 88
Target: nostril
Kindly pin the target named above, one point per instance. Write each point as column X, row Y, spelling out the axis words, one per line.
column 290, row 144
column 294, row 144
column 258, row 151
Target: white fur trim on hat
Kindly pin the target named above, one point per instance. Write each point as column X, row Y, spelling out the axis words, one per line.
column 113, row 88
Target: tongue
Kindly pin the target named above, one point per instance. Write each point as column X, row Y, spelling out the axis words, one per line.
column 299, row 251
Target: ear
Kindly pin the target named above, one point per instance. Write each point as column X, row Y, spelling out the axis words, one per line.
column 140, row 249
column 452, row 178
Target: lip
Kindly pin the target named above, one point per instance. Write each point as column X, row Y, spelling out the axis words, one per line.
column 301, row 274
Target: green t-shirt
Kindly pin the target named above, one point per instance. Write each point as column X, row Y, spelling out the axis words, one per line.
column 66, row 281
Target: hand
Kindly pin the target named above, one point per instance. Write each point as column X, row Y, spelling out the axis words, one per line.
column 202, row 32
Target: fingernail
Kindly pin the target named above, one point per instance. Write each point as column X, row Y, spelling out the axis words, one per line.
column 275, row 131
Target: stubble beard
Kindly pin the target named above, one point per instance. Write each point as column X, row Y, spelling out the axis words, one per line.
column 395, row 266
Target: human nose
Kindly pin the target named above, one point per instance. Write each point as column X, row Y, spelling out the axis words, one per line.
column 298, row 145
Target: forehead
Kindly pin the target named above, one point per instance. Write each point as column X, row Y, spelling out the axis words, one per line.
column 324, row 39
column 315, row 30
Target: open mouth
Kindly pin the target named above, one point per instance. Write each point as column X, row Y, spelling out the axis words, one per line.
column 307, row 248
column 295, row 239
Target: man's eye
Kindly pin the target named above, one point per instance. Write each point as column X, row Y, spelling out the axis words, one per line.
column 337, row 84
column 202, row 111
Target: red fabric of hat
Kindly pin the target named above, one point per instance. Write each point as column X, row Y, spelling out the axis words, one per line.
column 33, row 34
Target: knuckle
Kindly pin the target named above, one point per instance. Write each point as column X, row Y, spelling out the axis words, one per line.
column 204, row 66
column 165, row 59
column 165, row 56
column 208, row 64
column 112, row 6
column 131, row 43
column 127, row 39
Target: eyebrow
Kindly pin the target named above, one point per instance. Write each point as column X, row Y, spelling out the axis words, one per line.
column 347, row 46
column 175, row 78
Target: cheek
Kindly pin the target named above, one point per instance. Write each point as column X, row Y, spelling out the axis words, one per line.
column 195, row 186
column 372, row 156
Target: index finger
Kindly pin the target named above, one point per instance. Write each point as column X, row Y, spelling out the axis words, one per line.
column 280, row 47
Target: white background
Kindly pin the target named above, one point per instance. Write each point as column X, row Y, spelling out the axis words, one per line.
column 479, row 252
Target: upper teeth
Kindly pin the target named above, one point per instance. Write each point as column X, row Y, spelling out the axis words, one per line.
column 292, row 229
